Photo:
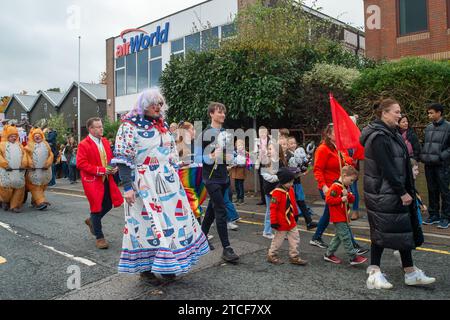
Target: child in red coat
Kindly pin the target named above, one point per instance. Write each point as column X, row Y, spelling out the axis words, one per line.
column 338, row 199
column 283, row 218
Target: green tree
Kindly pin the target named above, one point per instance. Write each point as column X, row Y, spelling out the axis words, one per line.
column 110, row 128
column 58, row 124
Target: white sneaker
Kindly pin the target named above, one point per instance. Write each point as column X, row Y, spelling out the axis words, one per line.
column 232, row 226
column 268, row 236
column 418, row 277
column 377, row 280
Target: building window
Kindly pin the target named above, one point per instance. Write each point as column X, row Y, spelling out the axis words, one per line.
column 210, row 38
column 413, row 16
column 131, row 73
column 120, row 82
column 192, row 42
column 142, row 70
column 155, row 66
column 120, row 77
column 228, row 30
column 177, row 47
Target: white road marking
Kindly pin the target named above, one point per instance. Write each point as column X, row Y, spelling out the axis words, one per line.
column 67, row 255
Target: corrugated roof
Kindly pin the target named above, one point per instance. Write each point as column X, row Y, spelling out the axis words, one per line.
column 98, row 91
column 26, row 101
column 54, row 97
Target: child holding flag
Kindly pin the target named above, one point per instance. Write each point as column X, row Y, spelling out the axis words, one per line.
column 338, row 199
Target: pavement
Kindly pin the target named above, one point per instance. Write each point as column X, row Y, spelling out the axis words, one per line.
column 40, row 250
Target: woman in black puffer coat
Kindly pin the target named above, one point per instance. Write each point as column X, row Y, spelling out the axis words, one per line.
column 390, row 196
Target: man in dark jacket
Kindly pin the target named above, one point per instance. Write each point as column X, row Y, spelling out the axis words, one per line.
column 51, row 139
column 436, row 156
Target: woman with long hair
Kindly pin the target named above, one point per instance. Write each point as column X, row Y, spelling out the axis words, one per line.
column 328, row 162
column 277, row 161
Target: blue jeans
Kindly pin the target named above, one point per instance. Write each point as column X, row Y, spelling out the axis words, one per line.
column 232, row 214
column 239, row 185
column 53, row 181
column 267, row 225
column 325, row 221
column 65, row 169
column 72, row 173
column 354, row 190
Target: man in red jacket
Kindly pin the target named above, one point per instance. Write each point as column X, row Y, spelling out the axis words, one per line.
column 93, row 158
column 283, row 218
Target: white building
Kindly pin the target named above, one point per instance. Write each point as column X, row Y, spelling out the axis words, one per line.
column 136, row 58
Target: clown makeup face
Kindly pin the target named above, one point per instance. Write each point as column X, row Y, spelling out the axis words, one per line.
column 12, row 138
column 37, row 138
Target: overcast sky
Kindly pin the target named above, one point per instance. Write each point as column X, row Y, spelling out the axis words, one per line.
column 39, row 39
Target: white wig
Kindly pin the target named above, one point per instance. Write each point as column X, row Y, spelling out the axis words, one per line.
column 147, row 98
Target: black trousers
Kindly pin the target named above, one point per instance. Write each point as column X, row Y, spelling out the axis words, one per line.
column 217, row 211
column 438, row 179
column 96, row 218
column 376, row 252
column 261, row 186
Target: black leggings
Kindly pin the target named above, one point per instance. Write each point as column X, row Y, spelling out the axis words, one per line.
column 376, row 252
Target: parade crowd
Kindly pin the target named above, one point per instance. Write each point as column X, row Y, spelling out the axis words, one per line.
column 167, row 172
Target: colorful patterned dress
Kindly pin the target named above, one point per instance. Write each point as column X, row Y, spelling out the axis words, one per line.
column 161, row 233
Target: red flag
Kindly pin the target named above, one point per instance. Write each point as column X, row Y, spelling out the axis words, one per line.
column 346, row 132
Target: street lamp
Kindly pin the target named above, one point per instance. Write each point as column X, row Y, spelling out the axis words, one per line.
column 79, row 90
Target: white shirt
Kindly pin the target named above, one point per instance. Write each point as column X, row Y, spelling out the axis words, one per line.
column 98, row 142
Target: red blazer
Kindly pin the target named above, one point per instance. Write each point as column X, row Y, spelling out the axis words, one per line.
column 278, row 209
column 326, row 165
column 92, row 173
column 337, row 207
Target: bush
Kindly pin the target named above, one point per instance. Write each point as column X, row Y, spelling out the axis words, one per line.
column 314, row 111
column 110, row 128
column 413, row 82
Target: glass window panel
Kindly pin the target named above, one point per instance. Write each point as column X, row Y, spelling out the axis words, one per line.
column 210, row 38
column 155, row 72
column 192, row 42
column 142, row 70
column 177, row 45
column 131, row 74
column 120, row 63
column 413, row 16
column 228, row 30
column 120, row 82
column 155, row 52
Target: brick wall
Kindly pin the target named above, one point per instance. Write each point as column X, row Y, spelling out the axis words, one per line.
column 385, row 42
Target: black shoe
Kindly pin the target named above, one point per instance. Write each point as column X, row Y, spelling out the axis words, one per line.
column 42, row 207
column 148, row 275
column 211, row 247
column 318, row 243
column 311, row 225
column 229, row 255
column 360, row 250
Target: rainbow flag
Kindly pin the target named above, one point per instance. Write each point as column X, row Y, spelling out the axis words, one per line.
column 191, row 179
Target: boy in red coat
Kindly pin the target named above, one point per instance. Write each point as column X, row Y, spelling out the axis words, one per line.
column 338, row 199
column 283, row 218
